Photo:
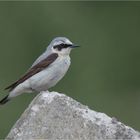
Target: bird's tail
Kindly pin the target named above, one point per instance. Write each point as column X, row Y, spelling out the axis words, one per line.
column 4, row 100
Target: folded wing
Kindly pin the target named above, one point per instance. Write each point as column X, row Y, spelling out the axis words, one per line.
column 34, row 70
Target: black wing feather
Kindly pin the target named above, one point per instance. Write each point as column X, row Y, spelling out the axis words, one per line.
column 34, row 70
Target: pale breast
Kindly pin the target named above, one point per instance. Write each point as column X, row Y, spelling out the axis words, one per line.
column 51, row 75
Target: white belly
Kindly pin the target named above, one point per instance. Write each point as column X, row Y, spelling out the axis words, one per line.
column 51, row 75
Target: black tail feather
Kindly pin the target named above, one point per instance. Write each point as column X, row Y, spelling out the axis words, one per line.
column 4, row 100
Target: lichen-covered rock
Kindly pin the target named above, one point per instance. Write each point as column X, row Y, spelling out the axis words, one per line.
column 54, row 116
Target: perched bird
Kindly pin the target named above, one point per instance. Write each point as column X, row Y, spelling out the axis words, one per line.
column 46, row 71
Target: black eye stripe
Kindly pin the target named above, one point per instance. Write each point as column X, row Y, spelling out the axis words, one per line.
column 61, row 46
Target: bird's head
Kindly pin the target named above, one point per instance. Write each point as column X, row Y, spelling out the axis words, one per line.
column 61, row 45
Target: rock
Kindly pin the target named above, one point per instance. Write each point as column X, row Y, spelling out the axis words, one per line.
column 54, row 116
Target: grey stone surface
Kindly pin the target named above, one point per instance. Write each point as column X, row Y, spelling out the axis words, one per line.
column 54, row 116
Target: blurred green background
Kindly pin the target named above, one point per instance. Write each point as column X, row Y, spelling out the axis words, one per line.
column 105, row 71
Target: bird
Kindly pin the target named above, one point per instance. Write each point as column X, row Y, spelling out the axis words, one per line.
column 48, row 69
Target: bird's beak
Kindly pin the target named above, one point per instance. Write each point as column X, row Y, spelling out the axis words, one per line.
column 74, row 46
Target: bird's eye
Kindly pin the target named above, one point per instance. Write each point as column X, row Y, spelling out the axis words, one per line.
column 62, row 44
column 65, row 45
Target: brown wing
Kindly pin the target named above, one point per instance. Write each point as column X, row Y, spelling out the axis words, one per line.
column 34, row 70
